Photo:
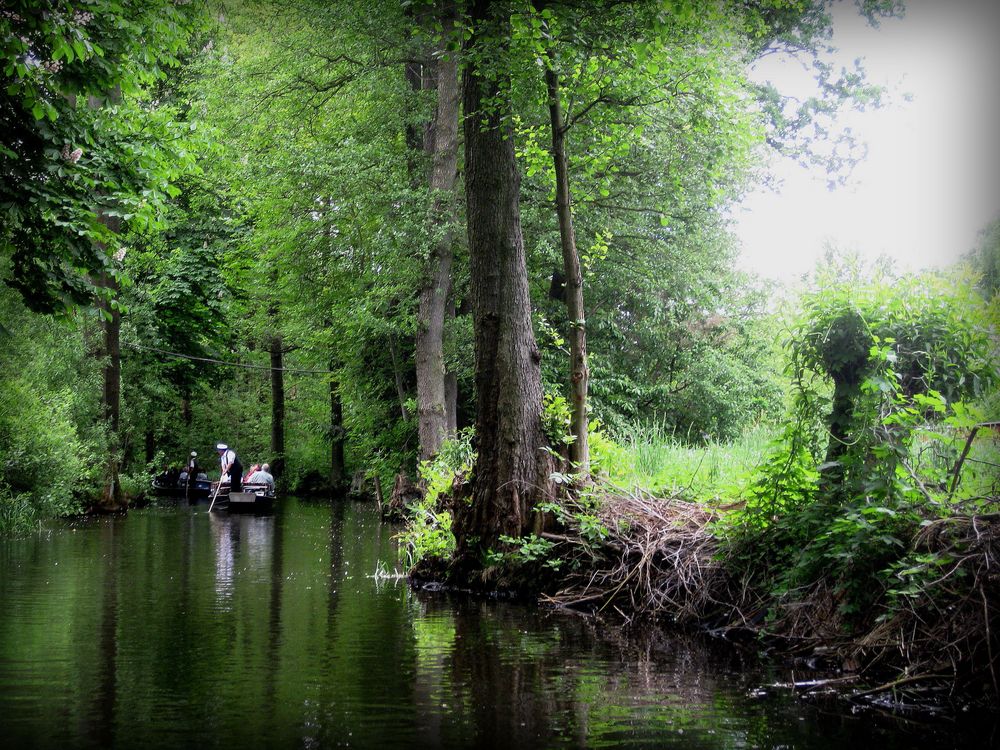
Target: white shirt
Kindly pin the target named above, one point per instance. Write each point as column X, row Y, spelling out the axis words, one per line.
column 224, row 460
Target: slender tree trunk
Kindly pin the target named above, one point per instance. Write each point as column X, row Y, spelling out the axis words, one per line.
column 338, row 479
column 510, row 468
column 111, row 399
column 397, row 373
column 432, row 411
column 111, row 499
column 451, row 403
column 277, row 406
column 579, row 451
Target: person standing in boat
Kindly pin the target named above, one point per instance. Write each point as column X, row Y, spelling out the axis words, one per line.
column 232, row 469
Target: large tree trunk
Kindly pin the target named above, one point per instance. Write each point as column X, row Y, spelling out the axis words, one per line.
column 432, row 411
column 277, row 406
column 509, row 473
column 579, row 451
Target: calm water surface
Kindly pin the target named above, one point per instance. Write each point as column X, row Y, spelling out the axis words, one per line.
column 173, row 627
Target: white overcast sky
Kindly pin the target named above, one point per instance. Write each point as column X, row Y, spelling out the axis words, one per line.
column 931, row 179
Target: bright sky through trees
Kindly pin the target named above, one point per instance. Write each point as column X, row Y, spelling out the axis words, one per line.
column 931, row 180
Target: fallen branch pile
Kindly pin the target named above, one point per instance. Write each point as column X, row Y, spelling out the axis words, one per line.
column 953, row 625
column 658, row 560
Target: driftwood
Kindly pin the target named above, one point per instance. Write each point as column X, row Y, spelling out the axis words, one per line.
column 950, row 626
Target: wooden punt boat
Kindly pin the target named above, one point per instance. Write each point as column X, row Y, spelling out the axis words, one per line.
column 167, row 486
column 253, row 498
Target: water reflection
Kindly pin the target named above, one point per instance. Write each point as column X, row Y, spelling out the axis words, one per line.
column 236, row 534
column 178, row 628
column 534, row 680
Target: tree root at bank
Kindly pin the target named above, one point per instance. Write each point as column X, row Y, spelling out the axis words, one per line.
column 661, row 561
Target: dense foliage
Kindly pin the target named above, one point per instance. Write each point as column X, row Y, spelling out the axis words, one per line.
column 82, row 140
column 890, row 375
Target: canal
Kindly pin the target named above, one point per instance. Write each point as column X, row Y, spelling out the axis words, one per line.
column 173, row 627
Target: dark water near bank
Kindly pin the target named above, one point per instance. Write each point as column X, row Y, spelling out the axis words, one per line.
column 175, row 628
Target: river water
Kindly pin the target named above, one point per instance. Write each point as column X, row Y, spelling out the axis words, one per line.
column 173, row 627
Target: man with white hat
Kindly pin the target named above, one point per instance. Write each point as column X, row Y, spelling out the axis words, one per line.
column 232, row 469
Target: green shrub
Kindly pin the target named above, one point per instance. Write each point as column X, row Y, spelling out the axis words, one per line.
column 45, row 467
column 428, row 532
column 842, row 504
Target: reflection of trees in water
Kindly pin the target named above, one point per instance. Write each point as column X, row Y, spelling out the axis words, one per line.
column 101, row 728
column 502, row 669
column 316, row 713
column 518, row 677
column 265, row 539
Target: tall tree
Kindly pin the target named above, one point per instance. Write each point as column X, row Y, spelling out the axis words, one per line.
column 510, row 467
column 277, row 357
column 111, row 323
column 579, row 378
column 432, row 401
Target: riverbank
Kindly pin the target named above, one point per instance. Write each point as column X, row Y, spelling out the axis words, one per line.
column 679, row 563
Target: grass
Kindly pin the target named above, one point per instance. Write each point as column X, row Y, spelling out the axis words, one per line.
column 980, row 474
column 654, row 459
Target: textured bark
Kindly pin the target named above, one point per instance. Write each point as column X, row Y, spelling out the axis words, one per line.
column 509, row 473
column 432, row 408
column 579, row 451
column 277, row 406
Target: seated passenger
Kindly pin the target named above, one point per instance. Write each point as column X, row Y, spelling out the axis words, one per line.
column 254, row 468
column 262, row 476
